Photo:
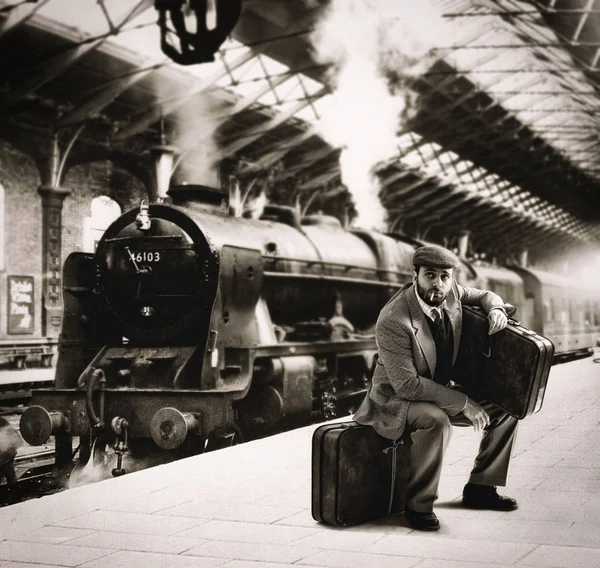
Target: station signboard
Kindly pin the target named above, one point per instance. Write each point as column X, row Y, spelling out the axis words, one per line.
column 21, row 306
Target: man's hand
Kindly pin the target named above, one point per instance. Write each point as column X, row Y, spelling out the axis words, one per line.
column 477, row 415
column 497, row 321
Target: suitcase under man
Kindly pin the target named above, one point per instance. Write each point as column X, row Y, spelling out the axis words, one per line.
column 357, row 475
column 509, row 368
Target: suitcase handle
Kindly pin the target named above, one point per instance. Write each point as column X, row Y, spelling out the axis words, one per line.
column 487, row 347
column 510, row 311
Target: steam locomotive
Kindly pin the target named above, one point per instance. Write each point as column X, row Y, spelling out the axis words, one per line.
column 190, row 329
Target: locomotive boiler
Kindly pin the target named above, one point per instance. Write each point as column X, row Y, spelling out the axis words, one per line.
column 192, row 328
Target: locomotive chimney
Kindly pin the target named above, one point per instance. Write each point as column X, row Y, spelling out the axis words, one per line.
column 523, row 258
column 463, row 244
column 162, row 166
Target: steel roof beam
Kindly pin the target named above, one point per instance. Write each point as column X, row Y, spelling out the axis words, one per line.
column 45, row 72
column 450, row 128
column 582, row 21
column 434, row 207
column 242, row 105
column 105, row 96
column 18, row 15
column 223, row 68
column 400, row 198
column 439, row 112
column 435, row 88
column 58, row 64
column 251, row 135
column 164, row 108
column 310, row 159
column 397, row 176
column 429, row 175
column 320, row 180
column 305, row 164
column 271, row 158
column 500, row 137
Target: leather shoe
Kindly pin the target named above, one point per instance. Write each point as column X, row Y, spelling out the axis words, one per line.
column 421, row 521
column 486, row 497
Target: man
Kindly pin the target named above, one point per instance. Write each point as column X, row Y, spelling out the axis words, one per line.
column 418, row 334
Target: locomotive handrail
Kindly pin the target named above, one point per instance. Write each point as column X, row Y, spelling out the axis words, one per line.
column 145, row 238
column 340, row 279
column 346, row 266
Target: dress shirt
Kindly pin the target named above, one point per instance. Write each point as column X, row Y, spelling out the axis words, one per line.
column 430, row 311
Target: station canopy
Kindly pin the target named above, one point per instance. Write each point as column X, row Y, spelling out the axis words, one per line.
column 499, row 133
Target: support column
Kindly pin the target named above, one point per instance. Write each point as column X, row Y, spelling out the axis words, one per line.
column 52, row 205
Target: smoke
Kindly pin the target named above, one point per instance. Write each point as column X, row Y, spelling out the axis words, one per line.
column 103, row 461
column 195, row 140
column 192, row 133
column 375, row 48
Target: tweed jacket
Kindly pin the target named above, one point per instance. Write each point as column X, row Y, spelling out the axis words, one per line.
column 407, row 359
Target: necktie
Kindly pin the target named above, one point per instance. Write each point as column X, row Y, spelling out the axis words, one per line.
column 437, row 317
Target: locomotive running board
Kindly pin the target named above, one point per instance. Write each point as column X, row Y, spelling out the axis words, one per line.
column 314, row 348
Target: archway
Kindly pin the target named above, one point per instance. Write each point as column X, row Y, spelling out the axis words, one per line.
column 104, row 211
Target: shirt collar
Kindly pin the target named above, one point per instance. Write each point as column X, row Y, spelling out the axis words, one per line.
column 430, row 310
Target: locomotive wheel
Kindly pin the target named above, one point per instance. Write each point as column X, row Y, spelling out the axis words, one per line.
column 224, row 437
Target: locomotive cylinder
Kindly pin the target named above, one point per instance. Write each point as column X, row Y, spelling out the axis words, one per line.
column 10, row 442
column 37, row 425
column 170, row 427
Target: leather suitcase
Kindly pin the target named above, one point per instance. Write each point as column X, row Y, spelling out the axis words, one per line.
column 509, row 368
column 353, row 478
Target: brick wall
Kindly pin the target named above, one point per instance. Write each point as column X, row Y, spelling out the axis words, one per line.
column 23, row 217
column 22, row 229
column 86, row 182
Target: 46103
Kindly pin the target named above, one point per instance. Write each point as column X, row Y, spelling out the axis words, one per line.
column 146, row 256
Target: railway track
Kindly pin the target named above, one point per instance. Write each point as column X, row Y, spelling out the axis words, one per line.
column 32, row 465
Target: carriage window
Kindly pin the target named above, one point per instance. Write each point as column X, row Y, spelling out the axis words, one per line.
column 548, row 316
column 563, row 311
column 577, row 315
column 590, row 315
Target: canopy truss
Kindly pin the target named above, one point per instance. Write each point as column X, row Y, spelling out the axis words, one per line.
column 504, row 143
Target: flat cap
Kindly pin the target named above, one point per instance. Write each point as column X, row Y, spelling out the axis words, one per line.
column 436, row 256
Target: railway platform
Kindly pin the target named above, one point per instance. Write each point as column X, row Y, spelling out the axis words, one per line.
column 41, row 375
column 249, row 506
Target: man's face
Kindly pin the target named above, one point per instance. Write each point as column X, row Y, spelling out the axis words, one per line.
column 433, row 284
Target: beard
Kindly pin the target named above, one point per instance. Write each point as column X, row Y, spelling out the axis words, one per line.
column 426, row 295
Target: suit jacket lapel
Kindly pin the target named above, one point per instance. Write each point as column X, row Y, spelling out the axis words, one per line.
column 422, row 331
column 453, row 306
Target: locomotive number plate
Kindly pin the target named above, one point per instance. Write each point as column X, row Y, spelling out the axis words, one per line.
column 146, row 256
column 143, row 256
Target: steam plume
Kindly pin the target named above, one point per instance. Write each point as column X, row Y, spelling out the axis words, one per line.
column 193, row 135
column 375, row 47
